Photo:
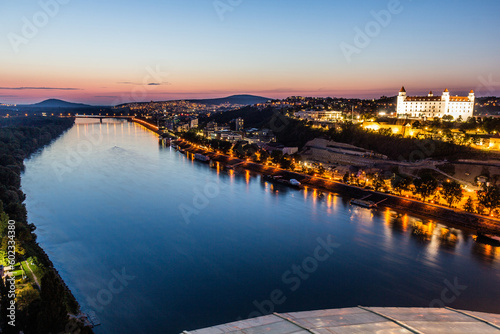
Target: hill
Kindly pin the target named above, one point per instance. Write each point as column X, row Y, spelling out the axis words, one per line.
column 55, row 103
column 234, row 99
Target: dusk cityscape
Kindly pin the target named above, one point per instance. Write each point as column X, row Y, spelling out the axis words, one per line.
column 233, row 166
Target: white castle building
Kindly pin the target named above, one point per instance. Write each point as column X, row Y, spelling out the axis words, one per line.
column 431, row 106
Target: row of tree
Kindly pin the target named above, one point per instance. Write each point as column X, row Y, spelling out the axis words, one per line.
column 43, row 310
column 427, row 186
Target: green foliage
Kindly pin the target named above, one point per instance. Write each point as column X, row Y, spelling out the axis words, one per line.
column 452, row 192
column 53, row 316
column 378, row 182
column 425, row 186
column 400, row 183
column 19, row 138
column 276, row 156
column 469, row 205
column 27, row 296
column 489, row 197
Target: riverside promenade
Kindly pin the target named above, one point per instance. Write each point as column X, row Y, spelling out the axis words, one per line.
column 472, row 222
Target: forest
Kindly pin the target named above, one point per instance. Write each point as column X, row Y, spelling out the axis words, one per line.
column 43, row 304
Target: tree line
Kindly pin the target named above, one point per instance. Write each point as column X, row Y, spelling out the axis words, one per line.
column 44, row 309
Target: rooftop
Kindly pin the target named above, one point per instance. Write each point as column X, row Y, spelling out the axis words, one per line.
column 365, row 320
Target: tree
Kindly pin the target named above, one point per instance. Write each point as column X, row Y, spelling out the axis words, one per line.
column 489, row 197
column 452, row 192
column 378, row 182
column 400, row 183
column 469, row 205
column 425, row 186
column 345, row 178
column 276, row 156
column 53, row 315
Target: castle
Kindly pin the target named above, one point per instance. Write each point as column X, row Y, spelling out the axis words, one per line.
column 430, row 106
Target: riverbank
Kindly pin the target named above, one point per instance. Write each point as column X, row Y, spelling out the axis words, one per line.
column 43, row 300
column 473, row 223
column 147, row 125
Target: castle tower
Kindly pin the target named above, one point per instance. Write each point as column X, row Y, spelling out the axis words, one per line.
column 401, row 100
column 446, row 95
column 472, row 97
column 446, row 98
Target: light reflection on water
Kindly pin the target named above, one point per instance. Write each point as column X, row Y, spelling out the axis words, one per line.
column 119, row 208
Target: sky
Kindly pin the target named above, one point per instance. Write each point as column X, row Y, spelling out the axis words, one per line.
column 111, row 52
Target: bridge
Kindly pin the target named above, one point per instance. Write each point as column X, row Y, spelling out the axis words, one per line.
column 101, row 117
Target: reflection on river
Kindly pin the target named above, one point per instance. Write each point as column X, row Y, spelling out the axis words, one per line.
column 155, row 242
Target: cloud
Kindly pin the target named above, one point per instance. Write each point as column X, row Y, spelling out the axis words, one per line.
column 38, row 88
column 106, row 96
column 142, row 84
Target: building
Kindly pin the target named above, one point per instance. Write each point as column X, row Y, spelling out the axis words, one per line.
column 240, row 123
column 194, row 122
column 319, row 115
column 430, row 106
column 365, row 320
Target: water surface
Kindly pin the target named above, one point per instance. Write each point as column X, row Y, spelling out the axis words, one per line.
column 207, row 247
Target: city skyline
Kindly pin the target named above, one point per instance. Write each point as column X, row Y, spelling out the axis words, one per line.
column 111, row 53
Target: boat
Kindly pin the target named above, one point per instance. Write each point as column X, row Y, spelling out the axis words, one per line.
column 281, row 180
column 363, row 203
column 295, row 183
column 165, row 140
column 201, row 157
column 488, row 239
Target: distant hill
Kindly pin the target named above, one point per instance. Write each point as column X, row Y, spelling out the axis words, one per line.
column 234, row 99
column 55, row 103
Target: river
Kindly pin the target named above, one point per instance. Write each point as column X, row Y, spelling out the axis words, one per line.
column 153, row 242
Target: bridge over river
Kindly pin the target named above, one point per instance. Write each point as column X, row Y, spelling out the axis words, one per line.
column 101, row 117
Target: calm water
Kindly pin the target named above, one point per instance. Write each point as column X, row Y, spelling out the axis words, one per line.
column 199, row 247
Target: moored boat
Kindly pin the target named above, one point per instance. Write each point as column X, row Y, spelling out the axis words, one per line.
column 201, row 157
column 363, row 203
column 488, row 239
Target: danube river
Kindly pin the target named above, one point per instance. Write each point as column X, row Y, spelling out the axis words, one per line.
column 153, row 242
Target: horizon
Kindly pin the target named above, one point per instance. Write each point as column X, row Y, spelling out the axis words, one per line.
column 421, row 93
column 157, row 51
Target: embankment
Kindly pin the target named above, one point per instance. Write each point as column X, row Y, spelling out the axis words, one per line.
column 457, row 218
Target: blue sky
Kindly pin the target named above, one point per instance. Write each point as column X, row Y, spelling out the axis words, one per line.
column 106, row 50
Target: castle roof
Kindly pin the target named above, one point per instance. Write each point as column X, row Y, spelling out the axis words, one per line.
column 446, row 90
column 459, row 99
column 402, row 90
column 423, row 98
